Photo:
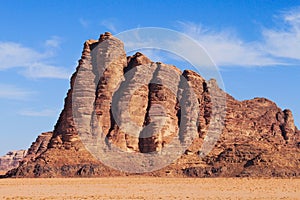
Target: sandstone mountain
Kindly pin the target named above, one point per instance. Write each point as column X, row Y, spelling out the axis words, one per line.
column 257, row 138
column 11, row 160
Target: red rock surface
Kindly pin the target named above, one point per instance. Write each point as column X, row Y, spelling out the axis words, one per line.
column 257, row 138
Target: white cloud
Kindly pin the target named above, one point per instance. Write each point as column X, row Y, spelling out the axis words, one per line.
column 16, row 55
column 277, row 46
column 42, row 70
column 285, row 41
column 39, row 113
column 109, row 24
column 33, row 64
column 54, row 42
column 226, row 49
column 13, row 92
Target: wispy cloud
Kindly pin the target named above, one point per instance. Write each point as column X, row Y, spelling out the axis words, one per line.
column 16, row 55
column 285, row 41
column 33, row 64
column 84, row 23
column 226, row 49
column 42, row 70
column 276, row 47
column 38, row 113
column 110, row 24
column 53, row 42
column 13, row 92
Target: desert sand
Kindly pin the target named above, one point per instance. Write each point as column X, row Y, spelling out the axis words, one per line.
column 149, row 188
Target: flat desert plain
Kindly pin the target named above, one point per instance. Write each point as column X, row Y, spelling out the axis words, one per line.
column 149, row 188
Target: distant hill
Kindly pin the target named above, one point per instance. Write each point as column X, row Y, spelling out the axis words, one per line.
column 11, row 160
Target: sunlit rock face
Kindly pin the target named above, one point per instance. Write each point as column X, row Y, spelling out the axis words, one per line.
column 143, row 107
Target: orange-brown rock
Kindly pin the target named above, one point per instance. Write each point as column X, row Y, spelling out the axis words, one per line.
column 39, row 146
column 168, row 108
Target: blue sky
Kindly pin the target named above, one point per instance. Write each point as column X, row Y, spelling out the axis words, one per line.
column 255, row 44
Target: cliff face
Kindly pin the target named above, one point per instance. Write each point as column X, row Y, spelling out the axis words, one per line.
column 166, row 109
column 11, row 160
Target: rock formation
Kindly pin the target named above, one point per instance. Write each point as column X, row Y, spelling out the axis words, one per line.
column 11, row 160
column 39, row 146
column 168, row 108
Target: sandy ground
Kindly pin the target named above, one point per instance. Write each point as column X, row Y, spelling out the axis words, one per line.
column 149, row 188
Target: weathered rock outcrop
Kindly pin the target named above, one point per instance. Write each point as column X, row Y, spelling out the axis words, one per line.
column 11, row 160
column 142, row 107
column 39, row 146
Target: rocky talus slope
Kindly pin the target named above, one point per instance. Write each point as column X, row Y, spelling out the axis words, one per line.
column 257, row 139
column 13, row 158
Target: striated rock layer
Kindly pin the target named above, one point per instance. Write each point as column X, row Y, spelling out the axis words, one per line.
column 140, row 107
column 11, row 160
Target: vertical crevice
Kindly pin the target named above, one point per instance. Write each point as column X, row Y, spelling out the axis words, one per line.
column 194, row 96
column 143, row 139
column 178, row 114
column 283, row 132
column 116, row 97
column 181, row 93
column 151, row 87
column 111, row 128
